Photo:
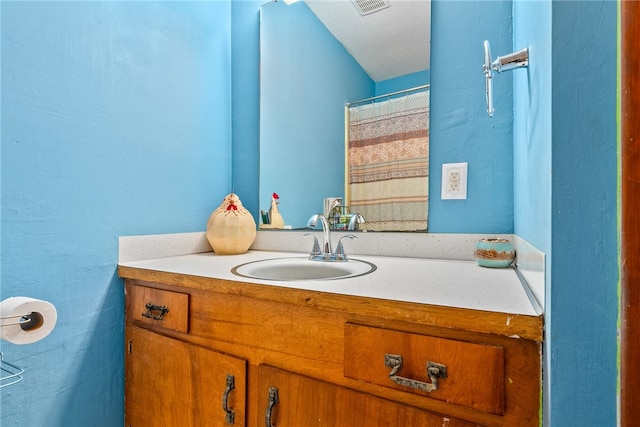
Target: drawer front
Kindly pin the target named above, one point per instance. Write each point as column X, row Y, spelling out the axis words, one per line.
column 158, row 307
column 474, row 372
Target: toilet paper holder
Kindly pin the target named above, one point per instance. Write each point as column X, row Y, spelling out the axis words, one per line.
column 26, row 321
column 23, row 320
column 10, row 373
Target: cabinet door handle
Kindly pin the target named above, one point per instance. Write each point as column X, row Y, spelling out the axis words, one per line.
column 231, row 384
column 435, row 371
column 151, row 308
column 272, row 401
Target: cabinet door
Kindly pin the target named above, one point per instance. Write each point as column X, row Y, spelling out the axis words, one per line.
column 172, row 383
column 303, row 401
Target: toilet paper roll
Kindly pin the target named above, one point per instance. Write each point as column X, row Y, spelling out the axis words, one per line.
column 42, row 317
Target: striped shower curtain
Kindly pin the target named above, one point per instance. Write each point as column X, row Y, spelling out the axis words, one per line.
column 388, row 163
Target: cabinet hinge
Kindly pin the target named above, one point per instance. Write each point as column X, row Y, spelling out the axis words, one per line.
column 129, row 347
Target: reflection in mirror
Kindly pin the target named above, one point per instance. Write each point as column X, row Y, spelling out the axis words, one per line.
column 307, row 76
column 388, row 161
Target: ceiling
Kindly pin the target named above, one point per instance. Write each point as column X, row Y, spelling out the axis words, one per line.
column 391, row 42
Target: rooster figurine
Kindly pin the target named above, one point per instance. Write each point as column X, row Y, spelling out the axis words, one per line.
column 231, row 228
column 274, row 214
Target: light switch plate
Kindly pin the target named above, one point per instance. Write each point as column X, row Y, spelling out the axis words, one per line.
column 454, row 181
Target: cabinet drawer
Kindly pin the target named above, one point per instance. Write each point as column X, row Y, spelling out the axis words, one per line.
column 158, row 307
column 474, row 372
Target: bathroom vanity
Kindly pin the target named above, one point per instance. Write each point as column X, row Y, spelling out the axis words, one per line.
column 417, row 342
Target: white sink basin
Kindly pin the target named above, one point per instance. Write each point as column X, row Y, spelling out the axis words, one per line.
column 302, row 269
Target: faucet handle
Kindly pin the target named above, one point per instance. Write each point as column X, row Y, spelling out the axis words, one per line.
column 339, row 253
column 355, row 221
column 316, row 245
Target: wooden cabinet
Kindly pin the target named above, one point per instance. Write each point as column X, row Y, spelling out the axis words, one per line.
column 332, row 359
column 171, row 382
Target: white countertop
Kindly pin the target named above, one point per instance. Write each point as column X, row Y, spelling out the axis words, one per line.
column 451, row 283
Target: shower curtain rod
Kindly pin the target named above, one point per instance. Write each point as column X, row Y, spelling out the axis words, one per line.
column 387, row 95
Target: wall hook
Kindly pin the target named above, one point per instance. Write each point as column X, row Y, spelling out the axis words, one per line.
column 519, row 59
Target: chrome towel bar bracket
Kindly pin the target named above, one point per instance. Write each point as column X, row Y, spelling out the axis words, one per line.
column 519, row 59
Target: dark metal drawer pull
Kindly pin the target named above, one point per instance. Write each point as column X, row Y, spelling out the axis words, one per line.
column 434, row 370
column 231, row 384
column 273, row 400
column 151, row 308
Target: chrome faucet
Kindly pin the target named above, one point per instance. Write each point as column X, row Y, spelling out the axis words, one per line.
column 356, row 219
column 326, row 231
column 326, row 253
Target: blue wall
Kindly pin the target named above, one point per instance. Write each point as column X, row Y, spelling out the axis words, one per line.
column 115, row 121
column 566, row 196
column 582, row 295
column 403, row 82
column 532, row 124
column 299, row 137
column 460, row 128
column 245, row 67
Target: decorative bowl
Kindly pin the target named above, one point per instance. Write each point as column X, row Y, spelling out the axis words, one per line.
column 495, row 253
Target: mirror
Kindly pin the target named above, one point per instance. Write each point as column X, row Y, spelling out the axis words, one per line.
column 308, row 74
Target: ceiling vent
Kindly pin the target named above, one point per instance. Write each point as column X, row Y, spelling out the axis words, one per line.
column 365, row 7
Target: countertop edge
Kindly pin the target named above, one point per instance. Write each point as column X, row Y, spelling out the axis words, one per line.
column 517, row 326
